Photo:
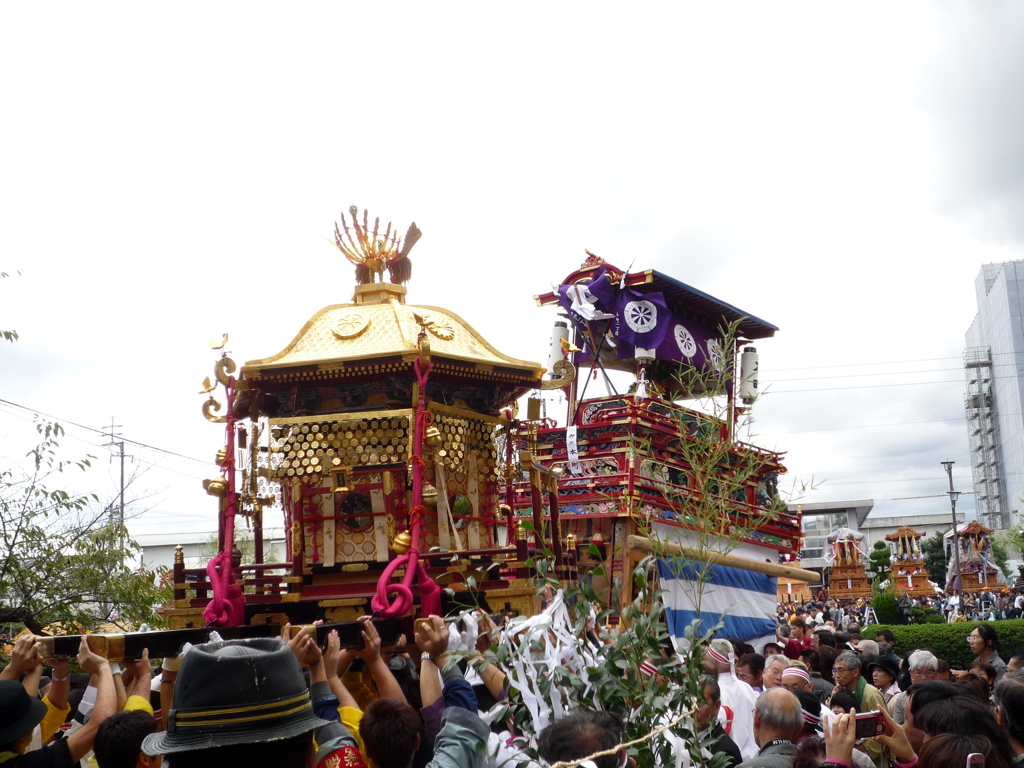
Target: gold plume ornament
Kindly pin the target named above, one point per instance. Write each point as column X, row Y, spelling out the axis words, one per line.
column 372, row 251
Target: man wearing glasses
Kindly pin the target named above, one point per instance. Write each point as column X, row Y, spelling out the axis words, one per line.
column 847, row 674
column 923, row 666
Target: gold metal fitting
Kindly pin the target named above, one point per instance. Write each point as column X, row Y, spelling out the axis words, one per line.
column 429, row 495
column 217, row 487
column 433, row 437
column 570, row 541
column 179, row 554
column 222, row 456
column 402, row 543
column 520, row 532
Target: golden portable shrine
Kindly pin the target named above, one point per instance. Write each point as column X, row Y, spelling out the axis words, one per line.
column 848, row 579
column 906, row 563
column 389, row 437
column 978, row 569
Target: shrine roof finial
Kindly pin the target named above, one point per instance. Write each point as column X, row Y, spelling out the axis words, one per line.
column 372, row 251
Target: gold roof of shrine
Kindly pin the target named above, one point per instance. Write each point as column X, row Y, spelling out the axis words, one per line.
column 379, row 325
column 974, row 527
column 903, row 531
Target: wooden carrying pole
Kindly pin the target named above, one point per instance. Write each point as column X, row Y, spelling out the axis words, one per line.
column 643, row 544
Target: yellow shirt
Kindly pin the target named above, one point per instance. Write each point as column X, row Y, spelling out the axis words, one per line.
column 52, row 720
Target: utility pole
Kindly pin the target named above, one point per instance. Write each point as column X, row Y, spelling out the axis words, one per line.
column 953, row 496
column 120, row 496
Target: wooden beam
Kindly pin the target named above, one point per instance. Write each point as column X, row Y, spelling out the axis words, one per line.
column 675, row 549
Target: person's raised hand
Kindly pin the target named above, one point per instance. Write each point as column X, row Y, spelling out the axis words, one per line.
column 840, row 736
column 370, row 651
column 488, row 632
column 895, row 738
column 432, row 636
column 140, row 666
column 304, row 647
column 91, row 662
column 332, row 654
column 59, row 666
column 26, row 655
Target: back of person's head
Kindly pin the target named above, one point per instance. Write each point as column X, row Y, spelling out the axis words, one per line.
column 780, row 711
column 826, row 638
column 884, row 649
column 812, row 659
column 974, row 687
column 868, row 647
column 950, row 750
column 920, row 695
column 810, row 712
column 810, row 753
column 841, row 638
column 119, row 738
column 390, row 731
column 1009, row 698
column 238, row 702
column 580, row 734
column 961, row 716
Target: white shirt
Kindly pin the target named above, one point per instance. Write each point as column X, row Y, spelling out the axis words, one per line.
column 740, row 698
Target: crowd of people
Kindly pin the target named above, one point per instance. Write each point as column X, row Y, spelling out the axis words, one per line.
column 820, row 694
column 985, row 605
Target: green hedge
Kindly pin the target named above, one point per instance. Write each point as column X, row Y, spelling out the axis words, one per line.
column 886, row 608
column 949, row 641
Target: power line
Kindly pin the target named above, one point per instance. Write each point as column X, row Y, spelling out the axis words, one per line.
column 105, row 434
column 890, row 362
column 858, row 426
column 862, row 386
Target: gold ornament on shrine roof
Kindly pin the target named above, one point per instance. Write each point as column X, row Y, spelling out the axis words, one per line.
column 374, row 252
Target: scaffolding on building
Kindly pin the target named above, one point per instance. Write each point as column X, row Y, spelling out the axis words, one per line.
column 982, row 435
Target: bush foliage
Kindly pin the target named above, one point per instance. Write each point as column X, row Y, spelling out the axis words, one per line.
column 886, row 608
column 949, row 641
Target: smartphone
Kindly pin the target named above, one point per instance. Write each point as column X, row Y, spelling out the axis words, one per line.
column 869, row 724
column 975, row 760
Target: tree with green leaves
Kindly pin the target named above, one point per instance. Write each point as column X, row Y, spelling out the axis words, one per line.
column 935, row 560
column 879, row 559
column 62, row 561
column 1000, row 553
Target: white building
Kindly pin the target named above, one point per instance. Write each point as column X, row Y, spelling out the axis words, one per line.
column 821, row 519
column 994, row 402
column 158, row 548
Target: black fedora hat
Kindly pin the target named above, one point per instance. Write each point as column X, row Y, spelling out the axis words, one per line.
column 235, row 692
column 19, row 712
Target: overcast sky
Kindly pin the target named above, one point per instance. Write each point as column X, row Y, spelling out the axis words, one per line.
column 171, row 172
